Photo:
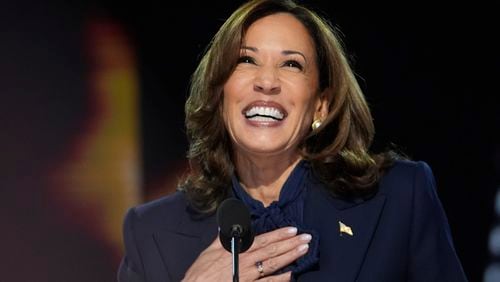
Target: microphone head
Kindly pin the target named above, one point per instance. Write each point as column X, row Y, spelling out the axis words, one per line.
column 233, row 218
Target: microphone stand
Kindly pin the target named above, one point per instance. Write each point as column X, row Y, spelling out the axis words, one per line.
column 235, row 230
column 235, row 250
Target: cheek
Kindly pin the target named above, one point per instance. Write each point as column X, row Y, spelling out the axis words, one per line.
column 229, row 106
column 308, row 112
column 233, row 94
column 227, row 110
column 307, row 102
column 229, row 92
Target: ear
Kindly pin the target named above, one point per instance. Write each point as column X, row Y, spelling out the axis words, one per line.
column 321, row 107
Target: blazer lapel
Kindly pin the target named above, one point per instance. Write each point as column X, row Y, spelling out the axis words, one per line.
column 202, row 227
column 181, row 243
column 346, row 230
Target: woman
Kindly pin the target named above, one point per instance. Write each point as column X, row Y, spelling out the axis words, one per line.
column 276, row 119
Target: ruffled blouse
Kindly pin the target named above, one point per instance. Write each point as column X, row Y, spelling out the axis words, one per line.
column 287, row 211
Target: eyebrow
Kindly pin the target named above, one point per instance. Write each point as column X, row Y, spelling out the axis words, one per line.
column 284, row 52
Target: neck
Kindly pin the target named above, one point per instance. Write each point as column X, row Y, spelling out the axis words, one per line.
column 263, row 178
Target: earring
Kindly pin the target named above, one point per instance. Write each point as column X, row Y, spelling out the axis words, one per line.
column 316, row 123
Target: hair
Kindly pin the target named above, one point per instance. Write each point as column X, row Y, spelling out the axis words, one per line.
column 338, row 150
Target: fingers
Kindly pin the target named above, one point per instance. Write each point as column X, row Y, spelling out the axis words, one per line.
column 274, row 264
column 273, row 236
column 287, row 276
column 274, row 250
column 281, row 253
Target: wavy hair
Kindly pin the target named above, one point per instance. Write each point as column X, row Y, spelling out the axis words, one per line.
column 338, row 150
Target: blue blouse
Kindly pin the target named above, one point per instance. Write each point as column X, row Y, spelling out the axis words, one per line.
column 287, row 211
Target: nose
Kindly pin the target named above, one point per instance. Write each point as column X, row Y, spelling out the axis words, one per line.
column 267, row 81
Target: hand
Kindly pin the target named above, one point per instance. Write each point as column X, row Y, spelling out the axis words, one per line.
column 275, row 249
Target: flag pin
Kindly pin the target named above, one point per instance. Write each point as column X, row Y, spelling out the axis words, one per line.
column 345, row 229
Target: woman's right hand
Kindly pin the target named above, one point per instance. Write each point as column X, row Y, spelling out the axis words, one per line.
column 275, row 249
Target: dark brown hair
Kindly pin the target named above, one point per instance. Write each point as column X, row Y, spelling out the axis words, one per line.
column 338, row 150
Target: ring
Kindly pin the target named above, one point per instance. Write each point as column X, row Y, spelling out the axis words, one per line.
column 260, row 268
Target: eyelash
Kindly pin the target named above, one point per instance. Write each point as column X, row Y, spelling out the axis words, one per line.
column 293, row 64
column 289, row 63
column 246, row 60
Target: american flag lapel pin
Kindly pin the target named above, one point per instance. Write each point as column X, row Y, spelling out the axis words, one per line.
column 345, row 229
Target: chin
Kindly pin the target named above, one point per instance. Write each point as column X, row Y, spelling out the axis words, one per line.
column 268, row 150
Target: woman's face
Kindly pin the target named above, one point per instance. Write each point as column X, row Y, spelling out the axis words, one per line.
column 272, row 96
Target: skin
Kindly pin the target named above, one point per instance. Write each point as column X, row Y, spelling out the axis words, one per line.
column 275, row 249
column 277, row 70
column 278, row 66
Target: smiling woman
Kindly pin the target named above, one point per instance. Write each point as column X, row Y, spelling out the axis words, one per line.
column 276, row 119
column 271, row 98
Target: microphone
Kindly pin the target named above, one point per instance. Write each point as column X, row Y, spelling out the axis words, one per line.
column 235, row 229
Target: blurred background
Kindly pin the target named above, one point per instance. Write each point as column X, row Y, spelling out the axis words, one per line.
column 91, row 109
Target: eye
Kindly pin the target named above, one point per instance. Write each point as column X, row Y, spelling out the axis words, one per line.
column 246, row 60
column 293, row 64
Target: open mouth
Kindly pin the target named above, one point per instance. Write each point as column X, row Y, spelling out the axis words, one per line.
column 265, row 112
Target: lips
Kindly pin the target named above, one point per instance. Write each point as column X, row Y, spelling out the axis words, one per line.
column 264, row 111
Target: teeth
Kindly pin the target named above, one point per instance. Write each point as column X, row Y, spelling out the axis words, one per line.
column 259, row 118
column 264, row 112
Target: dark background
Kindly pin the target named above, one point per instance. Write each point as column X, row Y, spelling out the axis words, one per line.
column 429, row 74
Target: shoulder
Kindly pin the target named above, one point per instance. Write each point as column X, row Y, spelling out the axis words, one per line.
column 406, row 172
column 412, row 194
column 162, row 207
column 156, row 214
column 406, row 169
column 408, row 179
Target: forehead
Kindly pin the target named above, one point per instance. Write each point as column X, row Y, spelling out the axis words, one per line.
column 279, row 30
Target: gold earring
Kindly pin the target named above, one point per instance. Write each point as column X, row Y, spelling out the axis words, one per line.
column 316, row 123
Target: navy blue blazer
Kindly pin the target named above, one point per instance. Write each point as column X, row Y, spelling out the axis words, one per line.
column 401, row 234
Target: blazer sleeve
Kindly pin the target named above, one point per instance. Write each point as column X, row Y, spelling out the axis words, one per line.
column 131, row 267
column 432, row 254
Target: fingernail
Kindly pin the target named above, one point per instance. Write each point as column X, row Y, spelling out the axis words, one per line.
column 305, row 237
column 291, row 230
column 302, row 248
